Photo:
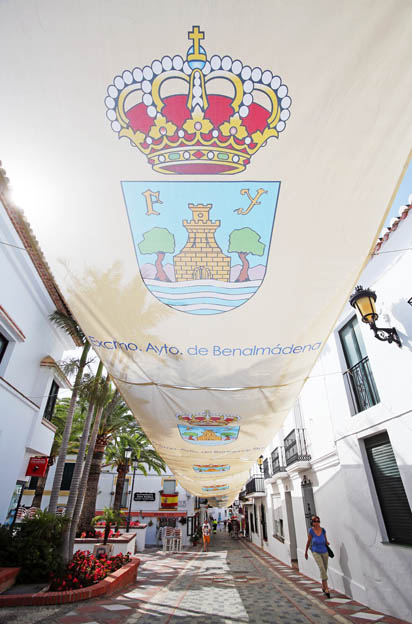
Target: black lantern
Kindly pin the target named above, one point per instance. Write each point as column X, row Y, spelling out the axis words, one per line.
column 363, row 300
column 260, row 463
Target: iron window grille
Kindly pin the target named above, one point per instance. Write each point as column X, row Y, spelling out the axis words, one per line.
column 295, row 447
column 266, row 469
column 278, row 460
column 363, row 391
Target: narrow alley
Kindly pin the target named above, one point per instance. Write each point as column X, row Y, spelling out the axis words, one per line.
column 234, row 582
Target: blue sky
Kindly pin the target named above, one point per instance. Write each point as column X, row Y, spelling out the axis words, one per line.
column 402, row 195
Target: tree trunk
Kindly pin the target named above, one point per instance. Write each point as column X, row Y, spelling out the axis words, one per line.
column 78, row 469
column 121, row 476
column 66, row 433
column 244, row 272
column 160, row 272
column 88, row 511
column 38, row 494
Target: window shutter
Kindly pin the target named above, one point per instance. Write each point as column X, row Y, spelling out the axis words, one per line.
column 392, row 497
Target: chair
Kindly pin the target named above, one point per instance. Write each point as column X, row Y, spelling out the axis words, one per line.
column 177, row 540
column 167, row 538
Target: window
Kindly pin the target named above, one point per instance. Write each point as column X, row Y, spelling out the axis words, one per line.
column 169, row 486
column 395, row 508
column 51, row 401
column 3, row 346
column 278, row 518
column 266, row 470
column 278, row 463
column 33, row 483
column 362, row 385
column 67, row 476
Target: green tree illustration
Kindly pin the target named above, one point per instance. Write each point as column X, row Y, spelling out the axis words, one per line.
column 158, row 241
column 229, row 434
column 244, row 242
column 189, row 433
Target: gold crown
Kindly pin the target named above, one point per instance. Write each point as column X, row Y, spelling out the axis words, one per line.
column 207, row 419
column 174, row 114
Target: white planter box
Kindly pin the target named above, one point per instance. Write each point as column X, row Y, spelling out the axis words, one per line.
column 139, row 533
column 124, row 544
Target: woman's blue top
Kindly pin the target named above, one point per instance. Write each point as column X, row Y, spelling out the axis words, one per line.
column 318, row 544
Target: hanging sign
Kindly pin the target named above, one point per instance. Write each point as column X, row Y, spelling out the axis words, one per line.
column 37, row 466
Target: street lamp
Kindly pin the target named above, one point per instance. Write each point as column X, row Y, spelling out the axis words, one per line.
column 260, row 462
column 363, row 300
column 135, row 463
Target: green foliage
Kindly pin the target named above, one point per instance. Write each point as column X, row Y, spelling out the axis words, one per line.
column 59, row 421
column 157, row 240
column 35, row 547
column 110, row 517
column 246, row 240
column 141, row 449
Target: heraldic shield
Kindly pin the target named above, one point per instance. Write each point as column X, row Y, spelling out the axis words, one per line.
column 202, row 247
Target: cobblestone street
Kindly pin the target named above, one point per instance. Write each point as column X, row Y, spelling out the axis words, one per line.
column 234, row 582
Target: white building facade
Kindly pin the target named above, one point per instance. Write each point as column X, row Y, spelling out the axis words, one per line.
column 148, row 504
column 30, row 347
column 345, row 453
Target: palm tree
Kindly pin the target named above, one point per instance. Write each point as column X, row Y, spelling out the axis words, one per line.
column 100, row 398
column 89, row 389
column 59, row 421
column 141, row 449
column 116, row 419
column 70, row 327
column 110, row 517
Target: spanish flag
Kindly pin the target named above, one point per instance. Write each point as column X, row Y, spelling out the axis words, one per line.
column 168, row 501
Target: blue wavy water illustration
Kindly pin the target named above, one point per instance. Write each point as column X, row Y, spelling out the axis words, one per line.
column 203, row 296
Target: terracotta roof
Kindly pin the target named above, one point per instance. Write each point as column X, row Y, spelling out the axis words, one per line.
column 403, row 213
column 31, row 244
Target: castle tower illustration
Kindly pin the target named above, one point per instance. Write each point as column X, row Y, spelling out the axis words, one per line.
column 201, row 257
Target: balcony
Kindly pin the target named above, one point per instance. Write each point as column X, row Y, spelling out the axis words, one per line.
column 255, row 486
column 242, row 496
column 363, row 391
column 296, row 452
column 279, row 463
column 266, row 469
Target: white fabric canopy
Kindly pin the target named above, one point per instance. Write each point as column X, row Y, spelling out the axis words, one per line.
column 206, row 181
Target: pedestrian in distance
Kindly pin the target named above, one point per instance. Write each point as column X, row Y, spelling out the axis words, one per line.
column 214, row 524
column 206, row 529
column 229, row 526
column 318, row 543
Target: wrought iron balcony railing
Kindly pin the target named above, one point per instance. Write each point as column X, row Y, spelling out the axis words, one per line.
column 255, row 484
column 278, row 460
column 295, row 447
column 362, row 386
column 266, row 469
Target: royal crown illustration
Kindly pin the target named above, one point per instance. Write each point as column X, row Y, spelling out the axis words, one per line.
column 198, row 116
column 207, row 419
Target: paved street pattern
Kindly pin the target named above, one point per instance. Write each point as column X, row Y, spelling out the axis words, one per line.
column 235, row 582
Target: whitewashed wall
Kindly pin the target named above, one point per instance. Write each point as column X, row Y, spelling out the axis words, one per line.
column 366, row 567
column 24, row 385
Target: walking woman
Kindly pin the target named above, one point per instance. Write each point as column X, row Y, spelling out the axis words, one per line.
column 318, row 542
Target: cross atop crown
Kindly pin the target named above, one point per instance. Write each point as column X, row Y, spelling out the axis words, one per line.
column 196, row 52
